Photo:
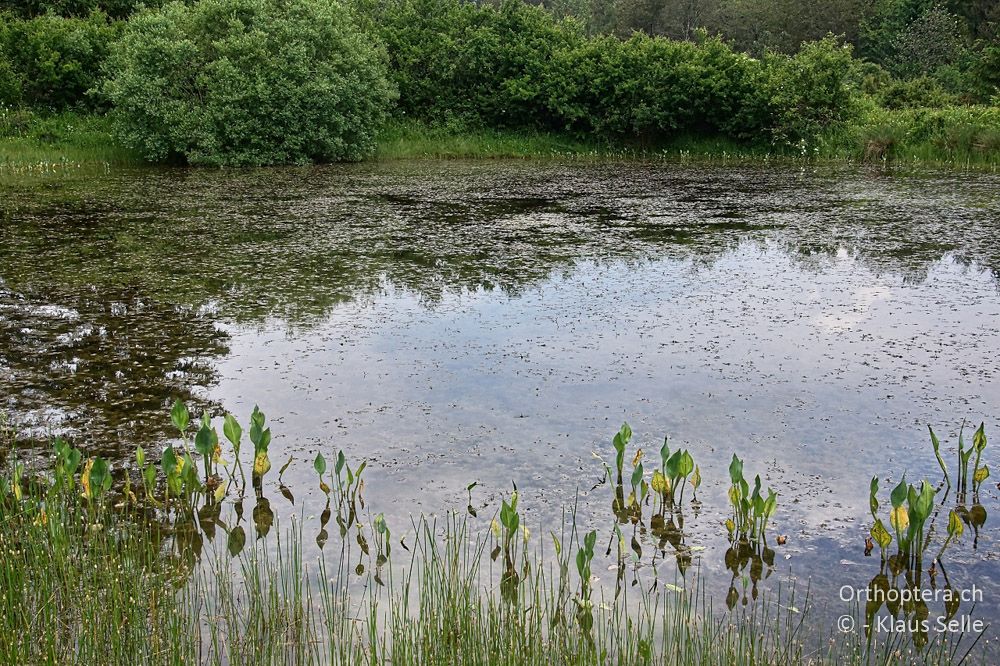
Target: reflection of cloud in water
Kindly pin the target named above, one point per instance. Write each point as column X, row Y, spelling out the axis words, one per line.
column 814, row 322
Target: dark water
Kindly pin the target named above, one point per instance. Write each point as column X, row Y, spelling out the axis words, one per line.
column 497, row 321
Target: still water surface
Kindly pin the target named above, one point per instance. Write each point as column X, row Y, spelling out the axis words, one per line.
column 494, row 322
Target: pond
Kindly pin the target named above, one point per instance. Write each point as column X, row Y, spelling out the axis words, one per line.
column 498, row 321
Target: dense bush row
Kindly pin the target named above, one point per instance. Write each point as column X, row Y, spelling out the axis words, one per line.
column 264, row 81
column 514, row 65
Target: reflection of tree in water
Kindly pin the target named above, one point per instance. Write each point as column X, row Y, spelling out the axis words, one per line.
column 136, row 257
column 105, row 363
column 294, row 243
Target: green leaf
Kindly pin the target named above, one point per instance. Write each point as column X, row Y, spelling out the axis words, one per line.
column 736, row 470
column 203, row 443
column 771, row 504
column 100, row 475
column 232, row 430
column 873, row 497
column 169, row 462
column 581, row 564
column 341, row 461
column 320, row 464
column 149, row 475
column 685, row 465
column 898, row 495
column 979, row 439
column 935, row 442
column 140, row 457
column 257, row 417
column 637, row 475
column 73, row 461
column 672, row 468
column 924, row 503
column 179, row 416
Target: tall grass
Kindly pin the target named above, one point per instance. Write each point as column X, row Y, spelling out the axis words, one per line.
column 957, row 137
column 32, row 142
column 85, row 586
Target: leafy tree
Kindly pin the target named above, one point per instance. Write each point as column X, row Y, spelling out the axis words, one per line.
column 927, row 43
column 248, row 82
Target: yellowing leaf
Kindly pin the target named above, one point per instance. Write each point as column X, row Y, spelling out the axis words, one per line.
column 495, row 528
column 696, row 478
column 734, row 495
column 981, row 474
column 261, row 464
column 637, row 458
column 527, row 533
column 880, row 534
column 660, row 483
column 631, row 499
column 220, row 492
column 325, row 488
column 85, row 479
column 899, row 518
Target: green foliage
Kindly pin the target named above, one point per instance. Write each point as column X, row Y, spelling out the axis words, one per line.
column 513, row 65
column 77, row 8
column 809, row 91
column 53, row 62
column 479, row 65
column 923, row 91
column 248, row 82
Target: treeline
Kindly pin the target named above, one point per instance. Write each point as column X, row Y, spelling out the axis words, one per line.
column 265, row 81
column 952, row 45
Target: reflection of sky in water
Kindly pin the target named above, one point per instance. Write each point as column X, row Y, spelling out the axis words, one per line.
column 818, row 379
column 812, row 322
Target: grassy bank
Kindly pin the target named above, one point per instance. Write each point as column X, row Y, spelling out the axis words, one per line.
column 84, row 584
column 29, row 141
column 959, row 137
column 129, row 565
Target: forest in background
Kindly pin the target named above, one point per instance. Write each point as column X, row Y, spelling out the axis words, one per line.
column 871, row 74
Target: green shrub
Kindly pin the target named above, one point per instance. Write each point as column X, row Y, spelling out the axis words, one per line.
column 248, row 82
column 77, row 8
column 650, row 88
column 54, row 62
column 923, row 91
column 810, row 90
column 480, row 65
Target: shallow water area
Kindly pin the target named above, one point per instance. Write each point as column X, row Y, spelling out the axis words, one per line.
column 496, row 322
